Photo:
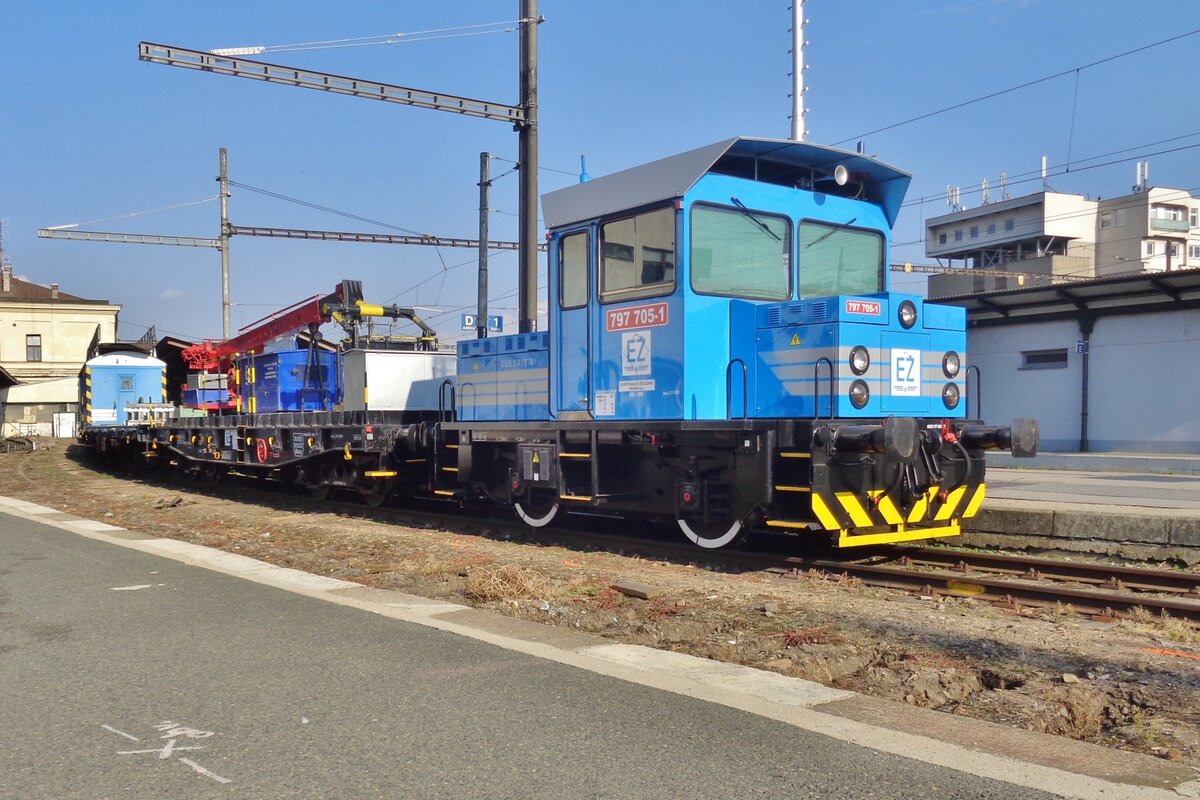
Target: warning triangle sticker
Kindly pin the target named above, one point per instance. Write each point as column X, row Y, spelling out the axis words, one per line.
column 795, row 340
column 536, row 460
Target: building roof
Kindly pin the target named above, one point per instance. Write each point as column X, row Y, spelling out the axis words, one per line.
column 26, row 292
column 781, row 161
column 6, row 379
column 1138, row 293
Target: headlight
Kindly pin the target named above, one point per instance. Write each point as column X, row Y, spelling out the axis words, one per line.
column 951, row 364
column 908, row 314
column 859, row 394
column 950, row 395
column 860, row 359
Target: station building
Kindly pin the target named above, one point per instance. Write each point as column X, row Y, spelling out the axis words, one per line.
column 1051, row 237
column 45, row 338
column 1083, row 313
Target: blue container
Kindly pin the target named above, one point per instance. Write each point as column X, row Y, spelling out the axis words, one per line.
column 504, row 378
column 284, row 381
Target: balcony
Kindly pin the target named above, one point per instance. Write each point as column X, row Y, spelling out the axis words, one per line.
column 1180, row 225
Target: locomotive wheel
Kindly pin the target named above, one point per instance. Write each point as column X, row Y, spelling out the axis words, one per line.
column 320, row 492
column 712, row 535
column 538, row 510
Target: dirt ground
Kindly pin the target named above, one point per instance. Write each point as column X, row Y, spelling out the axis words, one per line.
column 1133, row 684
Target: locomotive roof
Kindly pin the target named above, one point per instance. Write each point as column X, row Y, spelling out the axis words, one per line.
column 780, row 161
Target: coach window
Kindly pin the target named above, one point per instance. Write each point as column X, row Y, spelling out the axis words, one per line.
column 737, row 252
column 33, row 347
column 835, row 259
column 637, row 256
column 573, row 270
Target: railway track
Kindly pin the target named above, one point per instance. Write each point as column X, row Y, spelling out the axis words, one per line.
column 1012, row 581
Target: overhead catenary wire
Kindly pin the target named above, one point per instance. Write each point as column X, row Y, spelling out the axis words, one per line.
column 133, row 214
column 400, row 37
column 1020, row 86
column 1035, row 174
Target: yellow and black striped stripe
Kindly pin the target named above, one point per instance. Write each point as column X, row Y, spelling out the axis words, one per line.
column 879, row 520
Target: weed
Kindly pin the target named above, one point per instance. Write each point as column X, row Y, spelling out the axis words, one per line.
column 799, row 636
column 609, row 598
column 507, row 582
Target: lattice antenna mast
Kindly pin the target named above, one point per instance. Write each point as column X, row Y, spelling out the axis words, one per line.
column 798, row 67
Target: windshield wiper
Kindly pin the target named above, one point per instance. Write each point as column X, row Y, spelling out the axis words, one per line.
column 750, row 215
column 825, row 236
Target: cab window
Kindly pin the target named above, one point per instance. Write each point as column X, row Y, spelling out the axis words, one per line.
column 736, row 252
column 637, row 255
column 573, row 270
column 835, row 259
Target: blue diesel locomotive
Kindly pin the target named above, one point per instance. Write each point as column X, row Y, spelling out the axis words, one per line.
column 723, row 349
column 723, row 352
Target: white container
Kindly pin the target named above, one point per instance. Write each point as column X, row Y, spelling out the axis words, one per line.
column 393, row 380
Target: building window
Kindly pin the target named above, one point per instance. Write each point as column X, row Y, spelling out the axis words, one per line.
column 941, row 238
column 958, row 235
column 33, row 347
column 1149, row 248
column 1194, row 218
column 1008, row 225
column 1173, row 250
column 974, row 231
column 1120, row 217
column 1194, row 251
column 991, row 229
column 1044, row 359
column 1106, row 219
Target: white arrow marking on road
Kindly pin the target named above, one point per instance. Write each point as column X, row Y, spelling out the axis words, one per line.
column 197, row 768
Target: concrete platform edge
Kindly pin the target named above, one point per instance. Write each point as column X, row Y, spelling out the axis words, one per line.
column 1062, row 767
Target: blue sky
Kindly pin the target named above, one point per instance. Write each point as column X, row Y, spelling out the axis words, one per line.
column 88, row 132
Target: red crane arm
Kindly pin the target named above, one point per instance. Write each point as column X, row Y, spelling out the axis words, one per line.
column 255, row 336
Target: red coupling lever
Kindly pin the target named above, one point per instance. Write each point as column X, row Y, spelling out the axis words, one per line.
column 948, row 433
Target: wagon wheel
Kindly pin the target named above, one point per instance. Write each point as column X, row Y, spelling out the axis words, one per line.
column 713, row 534
column 377, row 494
column 539, row 509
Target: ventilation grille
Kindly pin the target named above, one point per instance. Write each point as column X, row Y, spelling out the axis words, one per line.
column 819, row 310
column 774, row 315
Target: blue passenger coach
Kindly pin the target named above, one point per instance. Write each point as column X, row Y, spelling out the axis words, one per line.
column 723, row 349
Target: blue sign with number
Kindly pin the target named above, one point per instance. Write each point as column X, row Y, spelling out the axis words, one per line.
column 495, row 323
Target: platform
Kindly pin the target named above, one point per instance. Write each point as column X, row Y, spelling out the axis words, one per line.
column 1137, row 505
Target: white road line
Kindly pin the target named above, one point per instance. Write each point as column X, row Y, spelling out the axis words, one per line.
column 120, row 733
column 197, row 768
column 130, row 588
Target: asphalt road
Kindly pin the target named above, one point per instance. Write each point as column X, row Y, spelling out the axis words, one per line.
column 125, row 675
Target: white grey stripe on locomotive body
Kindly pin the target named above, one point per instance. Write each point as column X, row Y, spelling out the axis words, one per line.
column 510, row 387
column 794, row 366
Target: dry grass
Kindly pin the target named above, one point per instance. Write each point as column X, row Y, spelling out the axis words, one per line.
column 797, row 637
column 427, row 567
column 1165, row 626
column 507, row 582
